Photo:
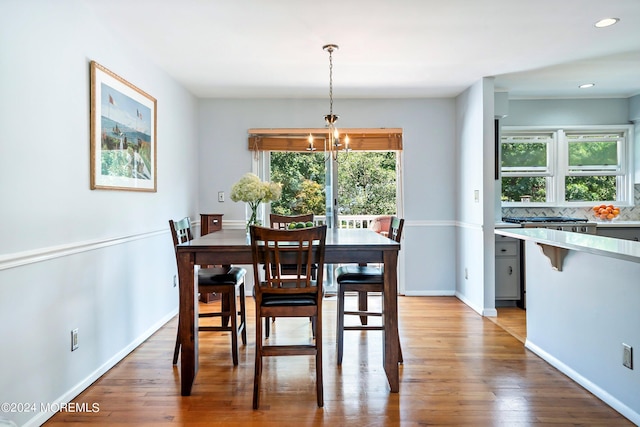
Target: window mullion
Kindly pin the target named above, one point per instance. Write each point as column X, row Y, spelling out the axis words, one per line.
column 556, row 161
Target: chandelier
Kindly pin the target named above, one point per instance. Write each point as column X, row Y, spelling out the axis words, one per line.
column 332, row 142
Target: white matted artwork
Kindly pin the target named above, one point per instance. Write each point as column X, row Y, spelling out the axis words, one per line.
column 123, row 134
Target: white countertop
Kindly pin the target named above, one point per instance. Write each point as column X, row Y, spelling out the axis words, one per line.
column 599, row 245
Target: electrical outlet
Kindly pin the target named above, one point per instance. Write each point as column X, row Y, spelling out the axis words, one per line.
column 476, row 196
column 74, row 339
column 627, row 356
column 221, row 196
column 466, row 273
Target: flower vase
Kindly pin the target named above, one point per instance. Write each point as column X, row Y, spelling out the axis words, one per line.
column 253, row 213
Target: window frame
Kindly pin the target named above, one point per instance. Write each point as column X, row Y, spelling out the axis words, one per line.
column 262, row 141
column 559, row 164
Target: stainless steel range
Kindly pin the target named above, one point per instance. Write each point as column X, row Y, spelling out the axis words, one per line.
column 563, row 223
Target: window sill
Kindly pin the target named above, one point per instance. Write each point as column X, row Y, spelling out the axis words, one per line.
column 563, row 205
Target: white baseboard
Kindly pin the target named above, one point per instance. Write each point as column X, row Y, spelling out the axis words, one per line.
column 461, row 297
column 442, row 293
column 603, row 395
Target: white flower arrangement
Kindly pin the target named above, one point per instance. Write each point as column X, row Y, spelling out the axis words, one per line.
column 252, row 190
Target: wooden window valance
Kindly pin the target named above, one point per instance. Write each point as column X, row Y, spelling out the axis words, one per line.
column 298, row 139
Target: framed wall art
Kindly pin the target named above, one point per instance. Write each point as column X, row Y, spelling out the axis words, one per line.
column 123, row 134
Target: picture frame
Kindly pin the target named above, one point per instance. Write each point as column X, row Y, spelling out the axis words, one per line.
column 123, row 134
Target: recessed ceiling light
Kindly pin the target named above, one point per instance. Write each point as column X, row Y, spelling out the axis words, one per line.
column 587, row 85
column 606, row 22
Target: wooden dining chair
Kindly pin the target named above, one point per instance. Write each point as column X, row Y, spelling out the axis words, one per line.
column 285, row 295
column 362, row 279
column 226, row 281
column 281, row 222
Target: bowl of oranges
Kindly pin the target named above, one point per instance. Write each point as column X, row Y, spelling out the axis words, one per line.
column 606, row 212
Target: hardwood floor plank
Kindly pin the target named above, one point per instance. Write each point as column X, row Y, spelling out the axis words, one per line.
column 512, row 320
column 459, row 369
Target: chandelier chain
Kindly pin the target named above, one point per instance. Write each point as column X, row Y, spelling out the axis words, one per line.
column 330, row 82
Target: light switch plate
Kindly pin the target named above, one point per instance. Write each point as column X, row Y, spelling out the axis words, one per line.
column 627, row 356
column 74, row 339
column 221, row 196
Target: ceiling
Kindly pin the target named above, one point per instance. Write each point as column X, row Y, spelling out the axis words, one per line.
column 388, row 49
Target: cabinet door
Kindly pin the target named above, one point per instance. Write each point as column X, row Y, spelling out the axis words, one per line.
column 626, row 233
column 507, row 278
column 507, row 248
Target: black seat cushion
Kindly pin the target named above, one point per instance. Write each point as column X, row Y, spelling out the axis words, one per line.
column 219, row 276
column 273, row 300
column 357, row 274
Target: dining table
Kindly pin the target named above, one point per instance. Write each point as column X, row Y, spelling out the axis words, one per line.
column 233, row 247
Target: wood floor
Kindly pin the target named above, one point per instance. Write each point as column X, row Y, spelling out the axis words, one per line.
column 459, row 369
column 512, row 320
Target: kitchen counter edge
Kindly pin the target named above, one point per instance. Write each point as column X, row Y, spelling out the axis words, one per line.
column 598, row 245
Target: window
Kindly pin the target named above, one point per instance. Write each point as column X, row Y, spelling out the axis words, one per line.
column 594, row 166
column 527, row 166
column 366, row 181
column 302, row 176
column 569, row 166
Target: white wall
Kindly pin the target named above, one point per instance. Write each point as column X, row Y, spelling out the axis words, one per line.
column 634, row 108
column 578, row 318
column 429, row 167
column 70, row 257
column 475, row 268
column 566, row 112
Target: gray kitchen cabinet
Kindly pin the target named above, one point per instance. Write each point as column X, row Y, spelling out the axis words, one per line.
column 626, row 233
column 507, row 268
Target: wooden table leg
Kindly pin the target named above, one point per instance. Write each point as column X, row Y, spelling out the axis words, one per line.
column 188, row 322
column 390, row 320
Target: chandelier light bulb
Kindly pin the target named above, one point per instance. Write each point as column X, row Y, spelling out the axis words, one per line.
column 311, row 147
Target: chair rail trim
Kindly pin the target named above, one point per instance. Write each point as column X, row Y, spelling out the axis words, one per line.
column 19, row 259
